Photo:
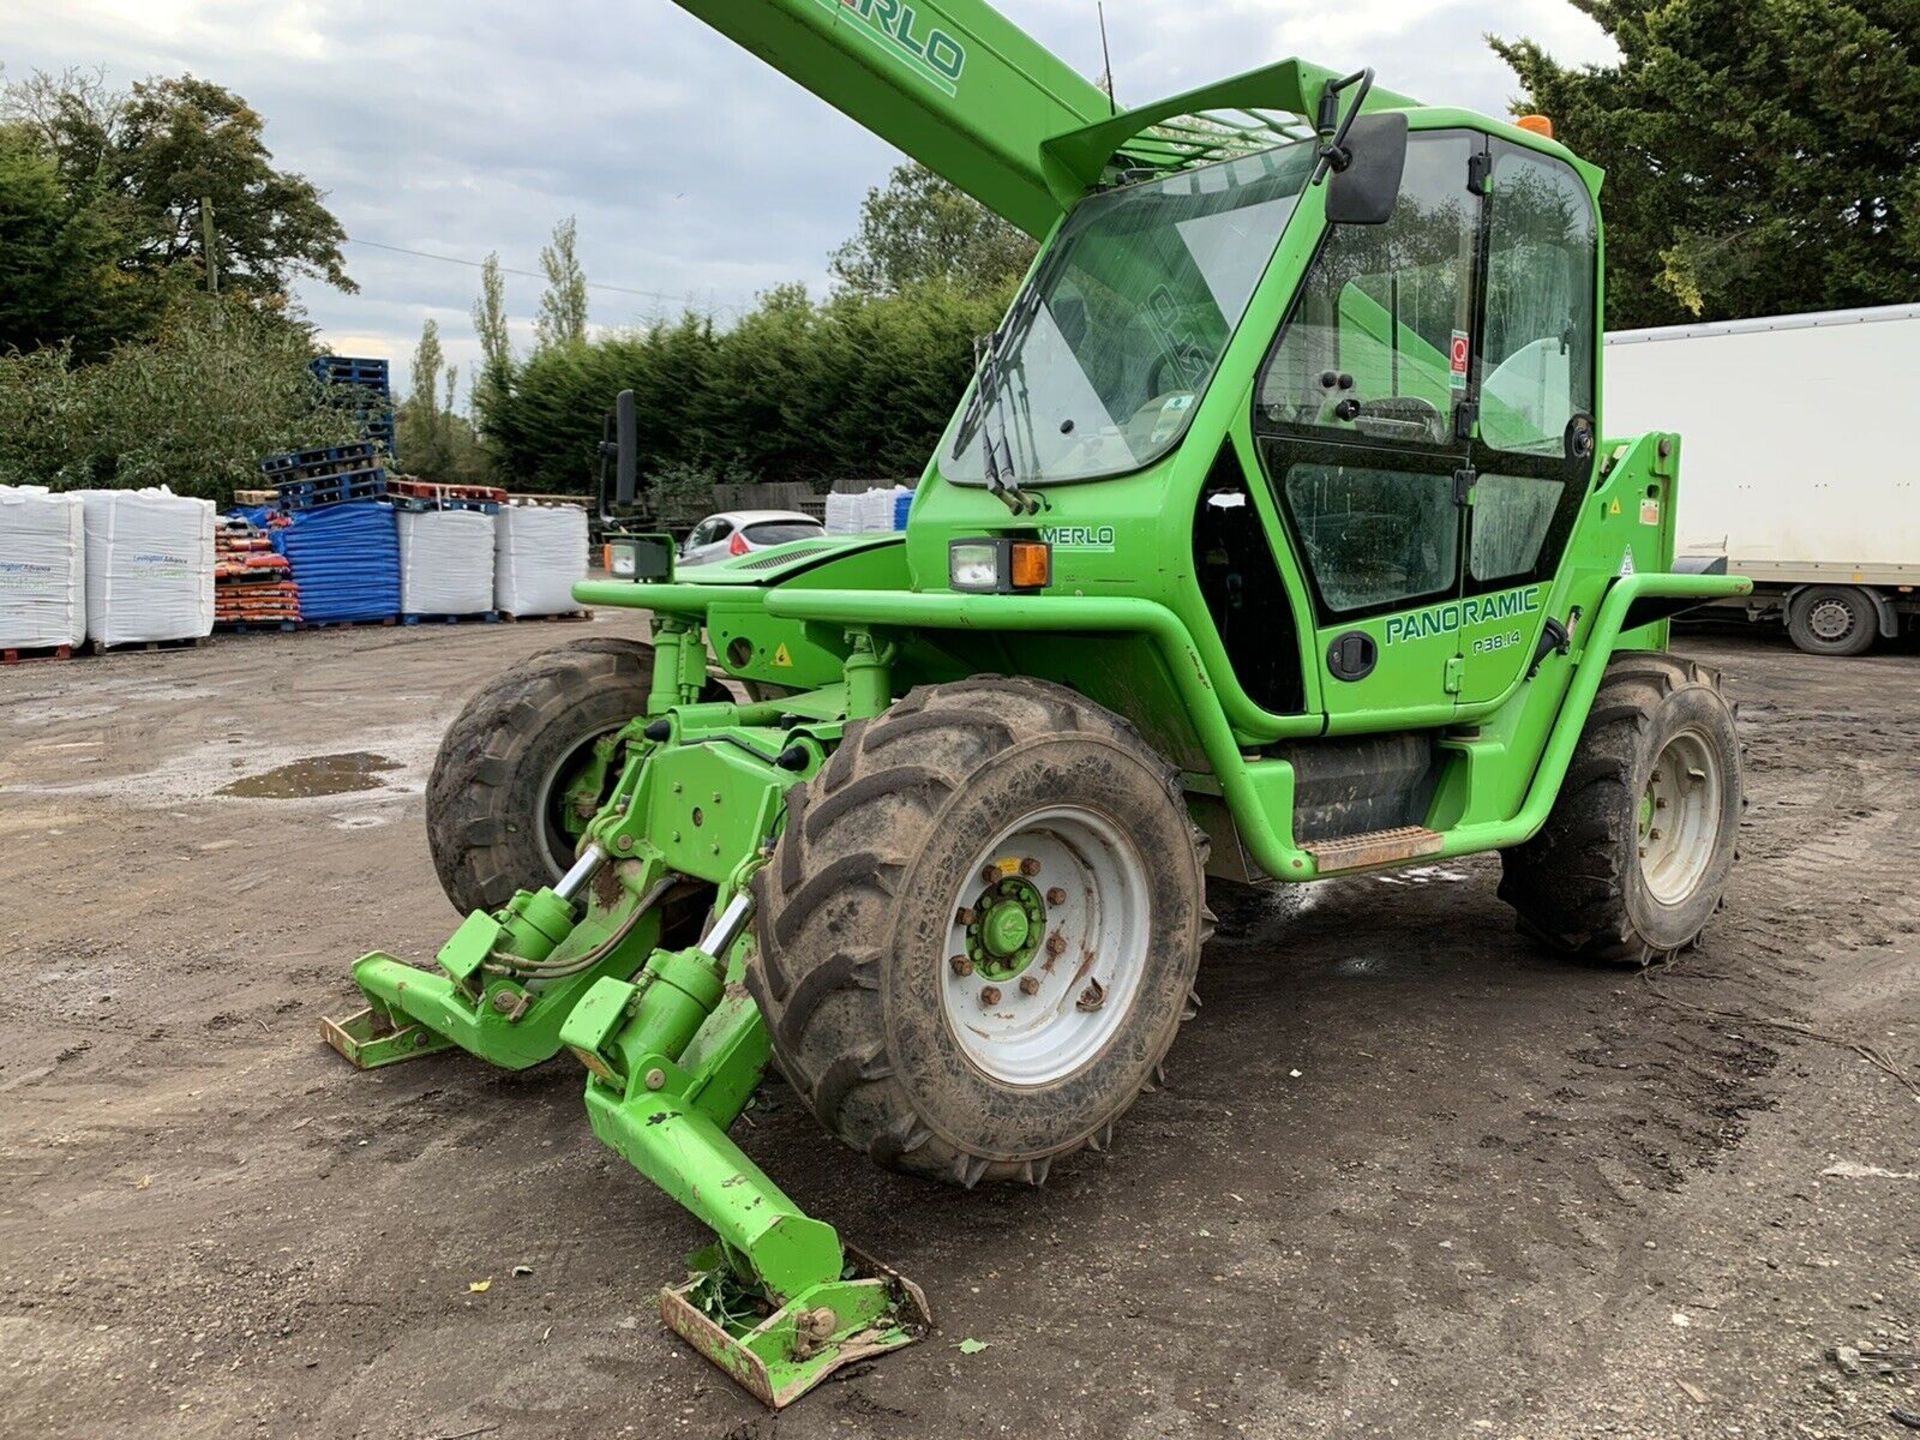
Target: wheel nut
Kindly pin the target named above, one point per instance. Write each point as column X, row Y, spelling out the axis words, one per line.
column 966, row 916
column 990, row 995
column 1029, row 985
column 1029, row 867
column 1056, row 943
column 990, row 875
column 962, row 966
column 1056, row 896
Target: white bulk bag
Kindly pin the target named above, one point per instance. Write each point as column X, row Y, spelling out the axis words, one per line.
column 877, row 506
column 149, row 566
column 843, row 514
column 43, row 569
column 446, row 562
column 539, row 551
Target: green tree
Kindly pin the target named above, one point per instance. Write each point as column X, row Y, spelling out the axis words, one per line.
column 496, row 345
column 419, row 423
column 437, row 443
column 918, row 228
column 1763, row 156
column 562, row 319
column 159, row 157
column 59, row 259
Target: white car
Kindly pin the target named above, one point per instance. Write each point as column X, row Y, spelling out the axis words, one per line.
column 741, row 532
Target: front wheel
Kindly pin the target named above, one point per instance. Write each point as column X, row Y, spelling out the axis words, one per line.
column 978, row 933
column 1635, row 855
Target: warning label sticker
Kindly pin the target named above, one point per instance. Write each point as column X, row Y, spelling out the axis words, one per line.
column 1626, row 563
column 1458, row 356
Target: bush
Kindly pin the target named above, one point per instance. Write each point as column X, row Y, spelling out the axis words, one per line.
column 854, row 387
column 194, row 408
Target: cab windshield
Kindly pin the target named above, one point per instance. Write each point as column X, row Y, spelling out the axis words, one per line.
column 1133, row 306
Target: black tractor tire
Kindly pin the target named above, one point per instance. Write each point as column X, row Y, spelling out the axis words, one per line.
column 1583, row 885
column 491, row 823
column 1833, row 620
column 854, row 914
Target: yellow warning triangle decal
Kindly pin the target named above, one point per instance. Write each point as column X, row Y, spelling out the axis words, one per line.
column 782, row 658
column 1615, row 509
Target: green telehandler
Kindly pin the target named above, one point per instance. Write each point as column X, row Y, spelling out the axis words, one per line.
column 1275, row 538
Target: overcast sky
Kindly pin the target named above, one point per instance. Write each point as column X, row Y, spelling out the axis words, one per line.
column 699, row 175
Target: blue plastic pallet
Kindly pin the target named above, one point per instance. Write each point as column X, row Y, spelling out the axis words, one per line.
column 297, row 460
column 373, row 475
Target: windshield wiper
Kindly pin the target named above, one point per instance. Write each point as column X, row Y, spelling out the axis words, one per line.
column 985, row 410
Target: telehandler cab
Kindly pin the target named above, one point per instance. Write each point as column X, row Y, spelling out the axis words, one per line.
column 1276, row 538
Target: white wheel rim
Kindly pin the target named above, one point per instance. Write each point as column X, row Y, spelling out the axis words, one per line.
column 1680, row 817
column 1090, row 956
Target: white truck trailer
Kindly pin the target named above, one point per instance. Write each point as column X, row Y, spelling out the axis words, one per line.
column 1829, row 530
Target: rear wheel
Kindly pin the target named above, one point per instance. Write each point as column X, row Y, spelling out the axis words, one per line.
column 1633, row 859
column 978, row 933
column 1833, row 620
column 506, row 803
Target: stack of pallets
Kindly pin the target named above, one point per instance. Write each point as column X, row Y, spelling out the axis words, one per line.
column 332, row 475
column 418, row 495
column 253, row 584
column 376, row 411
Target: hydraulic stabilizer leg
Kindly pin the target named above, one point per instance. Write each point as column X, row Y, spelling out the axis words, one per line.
column 672, row 1058
column 505, row 981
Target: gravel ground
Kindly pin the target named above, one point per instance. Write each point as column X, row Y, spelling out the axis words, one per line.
column 1409, row 1177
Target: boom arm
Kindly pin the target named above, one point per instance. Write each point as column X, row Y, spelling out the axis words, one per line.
column 953, row 83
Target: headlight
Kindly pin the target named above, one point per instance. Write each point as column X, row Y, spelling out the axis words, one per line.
column 1001, row 566
column 640, row 557
column 974, row 565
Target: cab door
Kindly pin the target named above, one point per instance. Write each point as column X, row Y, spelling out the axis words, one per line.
column 1363, row 422
column 1532, row 456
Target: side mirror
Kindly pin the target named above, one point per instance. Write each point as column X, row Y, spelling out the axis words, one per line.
column 1365, row 190
column 619, row 440
column 629, row 430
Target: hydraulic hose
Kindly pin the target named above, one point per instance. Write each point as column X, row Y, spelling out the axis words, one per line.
column 519, row 966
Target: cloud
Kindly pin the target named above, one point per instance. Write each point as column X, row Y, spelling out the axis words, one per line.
column 459, row 127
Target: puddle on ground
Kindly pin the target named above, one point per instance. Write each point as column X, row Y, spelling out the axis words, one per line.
column 315, row 775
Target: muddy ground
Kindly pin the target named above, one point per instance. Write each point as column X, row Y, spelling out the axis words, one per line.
column 1409, row 1177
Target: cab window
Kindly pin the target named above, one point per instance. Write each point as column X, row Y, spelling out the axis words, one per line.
column 1378, row 344
column 1540, row 304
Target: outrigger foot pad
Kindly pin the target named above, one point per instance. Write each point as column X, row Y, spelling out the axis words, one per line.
column 780, row 1353
column 370, row 1039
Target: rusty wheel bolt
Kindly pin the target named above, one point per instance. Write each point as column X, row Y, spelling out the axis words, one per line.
column 1056, row 896
column 1056, row 943
column 1029, row 867
column 961, row 965
column 990, row 995
column 990, row 875
column 966, row 916
column 1029, row 985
